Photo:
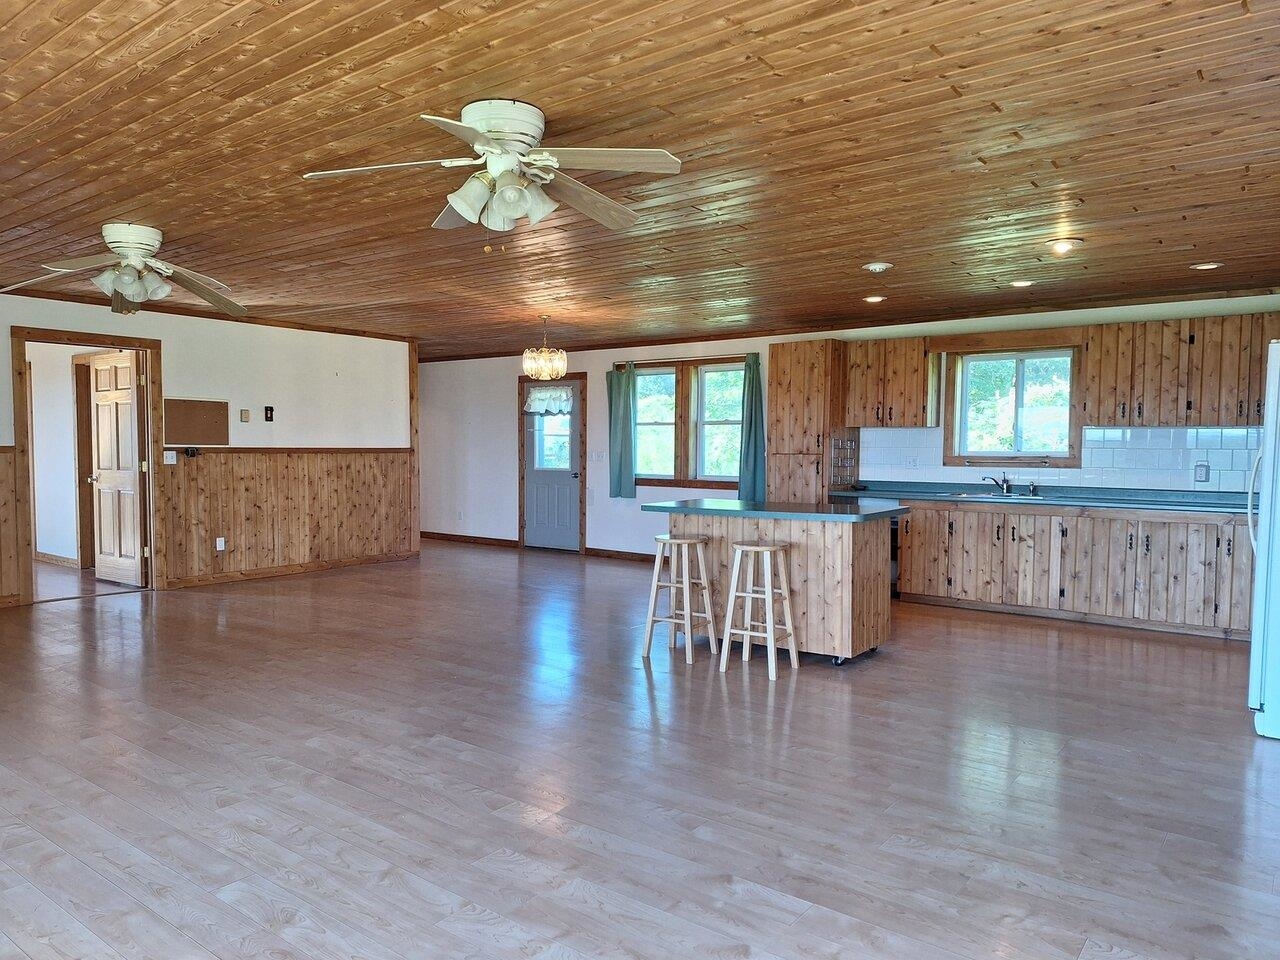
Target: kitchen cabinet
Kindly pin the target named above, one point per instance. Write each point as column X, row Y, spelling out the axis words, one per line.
column 1202, row 372
column 795, row 478
column 805, row 403
column 805, row 394
column 1186, row 572
column 892, row 383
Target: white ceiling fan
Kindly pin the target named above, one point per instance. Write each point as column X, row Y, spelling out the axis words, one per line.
column 133, row 275
column 522, row 178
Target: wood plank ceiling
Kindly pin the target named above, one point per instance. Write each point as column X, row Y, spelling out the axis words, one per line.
column 951, row 137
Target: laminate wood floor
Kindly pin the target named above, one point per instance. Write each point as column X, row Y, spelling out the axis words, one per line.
column 464, row 756
column 55, row 582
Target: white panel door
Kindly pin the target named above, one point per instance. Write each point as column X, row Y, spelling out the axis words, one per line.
column 552, row 476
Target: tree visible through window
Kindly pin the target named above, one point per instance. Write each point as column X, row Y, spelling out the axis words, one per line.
column 551, row 442
column 1015, row 404
column 689, row 421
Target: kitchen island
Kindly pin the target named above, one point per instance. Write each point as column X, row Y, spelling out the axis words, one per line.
column 839, row 561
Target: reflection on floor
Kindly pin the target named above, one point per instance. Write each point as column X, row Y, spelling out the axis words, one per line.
column 464, row 756
column 55, row 582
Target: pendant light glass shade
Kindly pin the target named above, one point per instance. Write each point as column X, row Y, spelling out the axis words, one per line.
column 470, row 198
column 496, row 221
column 156, row 286
column 106, row 281
column 540, row 205
column 510, row 196
column 129, row 286
column 545, row 363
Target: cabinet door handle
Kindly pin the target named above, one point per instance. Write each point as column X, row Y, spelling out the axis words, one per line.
column 1146, row 544
column 1228, row 546
column 998, row 526
column 879, row 418
column 891, row 414
column 1013, row 533
column 1257, row 409
column 1240, row 409
column 1131, row 541
column 1138, row 410
column 1124, row 408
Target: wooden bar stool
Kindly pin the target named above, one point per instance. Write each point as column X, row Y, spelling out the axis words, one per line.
column 772, row 558
column 675, row 551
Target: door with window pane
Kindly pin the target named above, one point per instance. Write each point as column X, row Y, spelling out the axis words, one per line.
column 552, row 474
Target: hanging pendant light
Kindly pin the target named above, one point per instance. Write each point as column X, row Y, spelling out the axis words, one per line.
column 545, row 363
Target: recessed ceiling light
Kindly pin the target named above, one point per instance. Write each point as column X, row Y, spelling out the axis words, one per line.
column 874, row 299
column 877, row 266
column 1064, row 245
column 1210, row 265
column 1021, row 283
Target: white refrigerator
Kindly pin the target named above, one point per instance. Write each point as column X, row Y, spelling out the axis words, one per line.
column 1264, row 532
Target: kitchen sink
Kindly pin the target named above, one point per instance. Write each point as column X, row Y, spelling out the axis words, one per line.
column 999, row 497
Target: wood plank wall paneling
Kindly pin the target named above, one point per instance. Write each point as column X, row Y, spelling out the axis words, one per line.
column 10, row 569
column 287, row 511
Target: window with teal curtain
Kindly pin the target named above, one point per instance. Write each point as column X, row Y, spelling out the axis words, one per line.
column 621, row 387
column 751, row 463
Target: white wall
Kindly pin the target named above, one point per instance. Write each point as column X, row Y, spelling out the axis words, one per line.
column 469, row 448
column 328, row 390
column 53, row 449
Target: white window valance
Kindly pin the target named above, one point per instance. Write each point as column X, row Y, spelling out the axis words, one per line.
column 545, row 401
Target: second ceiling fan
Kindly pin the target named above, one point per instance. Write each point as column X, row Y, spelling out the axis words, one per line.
column 522, row 178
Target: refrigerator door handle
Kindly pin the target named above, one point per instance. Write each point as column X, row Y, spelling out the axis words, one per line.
column 1248, row 511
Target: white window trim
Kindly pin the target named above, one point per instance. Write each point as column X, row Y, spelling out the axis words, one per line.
column 1020, row 357
column 699, row 423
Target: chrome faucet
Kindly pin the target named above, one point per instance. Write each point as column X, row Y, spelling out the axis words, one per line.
column 1004, row 483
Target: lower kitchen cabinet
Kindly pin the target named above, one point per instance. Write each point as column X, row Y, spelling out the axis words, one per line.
column 1186, row 572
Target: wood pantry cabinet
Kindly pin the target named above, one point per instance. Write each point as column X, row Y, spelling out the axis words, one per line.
column 892, row 383
column 1202, row 372
column 1187, row 572
column 805, row 402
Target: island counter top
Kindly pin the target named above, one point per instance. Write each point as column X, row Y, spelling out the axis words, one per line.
column 858, row 510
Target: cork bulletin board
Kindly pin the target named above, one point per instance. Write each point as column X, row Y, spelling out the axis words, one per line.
column 196, row 423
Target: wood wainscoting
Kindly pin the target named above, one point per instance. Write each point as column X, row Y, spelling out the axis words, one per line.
column 286, row 511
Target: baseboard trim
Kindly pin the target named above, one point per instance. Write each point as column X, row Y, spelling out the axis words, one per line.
column 1071, row 616
column 463, row 538
column 11, row 600
column 289, row 570
column 620, row 555
column 61, row 561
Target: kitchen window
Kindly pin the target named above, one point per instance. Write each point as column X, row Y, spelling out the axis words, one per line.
column 689, row 422
column 1014, row 407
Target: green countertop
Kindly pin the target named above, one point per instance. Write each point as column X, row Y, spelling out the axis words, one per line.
column 1196, row 501
column 847, row 510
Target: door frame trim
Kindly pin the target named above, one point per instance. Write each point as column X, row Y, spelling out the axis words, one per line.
column 149, row 441
column 581, row 378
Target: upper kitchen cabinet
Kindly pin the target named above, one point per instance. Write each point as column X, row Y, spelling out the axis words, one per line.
column 1205, row 372
column 892, row 383
column 806, row 395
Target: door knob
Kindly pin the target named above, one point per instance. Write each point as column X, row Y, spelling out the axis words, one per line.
column 575, row 475
column 93, row 479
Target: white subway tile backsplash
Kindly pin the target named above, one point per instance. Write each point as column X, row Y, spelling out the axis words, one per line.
column 1162, row 458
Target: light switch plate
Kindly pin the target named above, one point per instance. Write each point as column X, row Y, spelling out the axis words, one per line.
column 171, row 458
column 244, row 416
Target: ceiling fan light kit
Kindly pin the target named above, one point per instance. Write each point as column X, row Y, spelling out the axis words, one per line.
column 522, row 178
column 133, row 275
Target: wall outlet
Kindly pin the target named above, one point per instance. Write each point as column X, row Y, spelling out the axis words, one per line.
column 171, row 458
column 912, row 463
column 244, row 416
column 1202, row 471
column 220, row 544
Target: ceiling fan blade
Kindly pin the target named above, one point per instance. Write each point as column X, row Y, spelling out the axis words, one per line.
column 168, row 268
column 28, row 283
column 188, row 281
column 591, row 202
column 407, row 165
column 603, row 158
column 464, row 133
column 450, row 219
column 83, row 263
